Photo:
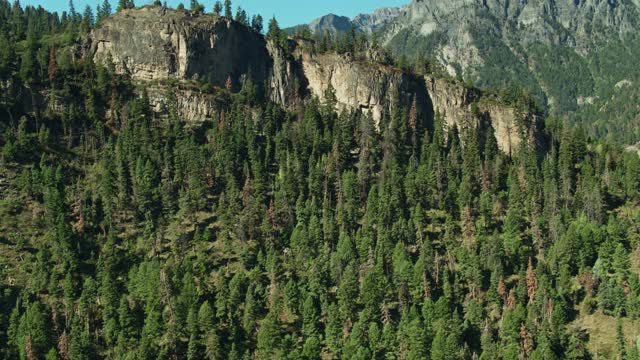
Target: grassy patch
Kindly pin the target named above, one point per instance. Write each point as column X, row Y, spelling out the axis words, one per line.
column 602, row 332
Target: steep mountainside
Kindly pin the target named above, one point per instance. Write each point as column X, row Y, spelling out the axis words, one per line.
column 576, row 57
column 160, row 45
column 201, row 191
column 375, row 21
column 561, row 51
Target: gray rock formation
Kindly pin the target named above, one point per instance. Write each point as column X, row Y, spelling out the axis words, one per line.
column 367, row 23
column 375, row 21
column 371, row 88
column 191, row 105
column 330, row 23
column 463, row 108
column 154, row 45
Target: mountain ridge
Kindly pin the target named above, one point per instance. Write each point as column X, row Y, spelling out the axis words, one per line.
column 555, row 50
column 176, row 45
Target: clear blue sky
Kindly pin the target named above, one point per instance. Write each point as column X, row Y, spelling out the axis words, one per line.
column 288, row 12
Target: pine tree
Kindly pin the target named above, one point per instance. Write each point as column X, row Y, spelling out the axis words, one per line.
column 6, row 57
column 439, row 345
column 621, row 346
column 217, row 8
column 33, row 332
column 274, row 29
column 241, row 16
column 18, row 24
column 28, row 65
column 104, row 11
column 268, row 337
column 88, row 20
column 196, row 7
column 257, row 23
column 125, row 4
column 227, row 9
column 310, row 317
column 621, row 263
column 72, row 11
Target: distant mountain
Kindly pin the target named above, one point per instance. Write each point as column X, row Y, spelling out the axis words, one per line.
column 368, row 23
column 331, row 23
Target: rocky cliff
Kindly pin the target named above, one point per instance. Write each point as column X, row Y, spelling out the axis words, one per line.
column 154, row 44
column 191, row 105
column 563, row 52
column 464, row 107
column 369, row 87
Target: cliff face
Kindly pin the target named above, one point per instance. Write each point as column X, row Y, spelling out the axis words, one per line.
column 153, row 43
column 463, row 107
column 371, row 88
column 190, row 105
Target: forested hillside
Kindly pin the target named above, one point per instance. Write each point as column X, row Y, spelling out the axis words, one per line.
column 297, row 233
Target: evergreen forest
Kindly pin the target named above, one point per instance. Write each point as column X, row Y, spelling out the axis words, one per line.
column 304, row 233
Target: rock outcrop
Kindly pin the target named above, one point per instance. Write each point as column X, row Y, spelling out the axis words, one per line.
column 154, row 44
column 465, row 107
column 191, row 105
column 371, row 88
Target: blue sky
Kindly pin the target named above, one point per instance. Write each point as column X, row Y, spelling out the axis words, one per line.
column 288, row 12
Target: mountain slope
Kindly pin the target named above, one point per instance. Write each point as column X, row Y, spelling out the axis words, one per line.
column 178, row 46
column 268, row 224
column 576, row 57
column 553, row 49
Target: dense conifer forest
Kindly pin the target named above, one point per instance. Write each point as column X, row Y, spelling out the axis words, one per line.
column 304, row 234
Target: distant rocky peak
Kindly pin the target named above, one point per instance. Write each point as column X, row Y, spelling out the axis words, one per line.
column 370, row 23
column 330, row 23
column 367, row 23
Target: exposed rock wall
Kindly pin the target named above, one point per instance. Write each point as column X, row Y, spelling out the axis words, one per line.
column 190, row 105
column 371, row 88
column 154, row 43
column 452, row 101
column 464, row 107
